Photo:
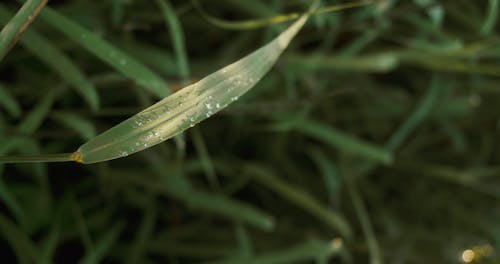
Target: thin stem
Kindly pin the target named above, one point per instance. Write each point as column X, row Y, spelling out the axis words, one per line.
column 366, row 226
column 257, row 23
column 62, row 157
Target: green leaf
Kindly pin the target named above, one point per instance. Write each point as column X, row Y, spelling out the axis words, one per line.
column 110, row 54
column 15, row 27
column 104, row 244
column 144, row 234
column 344, row 142
column 81, row 125
column 491, row 17
column 176, row 35
column 35, row 118
column 22, row 245
column 424, row 108
column 50, row 54
column 189, row 106
column 300, row 198
column 9, row 102
column 301, row 253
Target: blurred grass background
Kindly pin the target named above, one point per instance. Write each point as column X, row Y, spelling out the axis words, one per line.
column 373, row 140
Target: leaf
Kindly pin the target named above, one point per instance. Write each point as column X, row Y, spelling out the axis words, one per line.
column 344, row 142
column 257, row 23
column 491, row 17
column 189, row 106
column 47, row 52
column 110, row 54
column 84, row 127
column 35, row 118
column 177, row 36
column 24, row 248
column 9, row 102
column 16, row 26
column 383, row 62
column 143, row 235
column 424, row 108
column 300, row 198
column 104, row 245
column 309, row 250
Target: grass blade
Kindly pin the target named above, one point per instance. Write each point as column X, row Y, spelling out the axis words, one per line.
column 82, row 126
column 35, row 118
column 205, row 159
column 330, row 172
column 378, row 63
column 103, row 245
column 189, row 106
column 301, row 199
column 362, row 213
column 344, row 142
column 491, row 18
column 116, row 58
column 22, row 245
column 424, row 108
column 8, row 101
column 18, row 24
column 176, row 35
column 47, row 52
column 143, row 235
column 179, row 187
column 302, row 253
column 258, row 23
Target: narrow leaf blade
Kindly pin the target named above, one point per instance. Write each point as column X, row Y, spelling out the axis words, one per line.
column 15, row 27
column 189, row 106
column 110, row 54
column 8, row 102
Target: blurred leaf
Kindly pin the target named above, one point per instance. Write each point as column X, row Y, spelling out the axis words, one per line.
column 301, row 199
column 35, row 118
column 50, row 245
column 257, row 23
column 59, row 62
column 177, row 36
column 82, row 126
column 344, row 142
column 331, row 174
column 103, row 245
column 116, row 58
column 298, row 254
column 9, row 102
column 21, row 21
column 424, row 108
column 26, row 251
column 144, row 234
column 491, row 17
column 369, row 63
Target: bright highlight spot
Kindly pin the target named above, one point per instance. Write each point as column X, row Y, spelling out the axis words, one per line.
column 468, row 256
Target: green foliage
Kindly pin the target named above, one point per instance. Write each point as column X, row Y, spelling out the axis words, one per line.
column 372, row 139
